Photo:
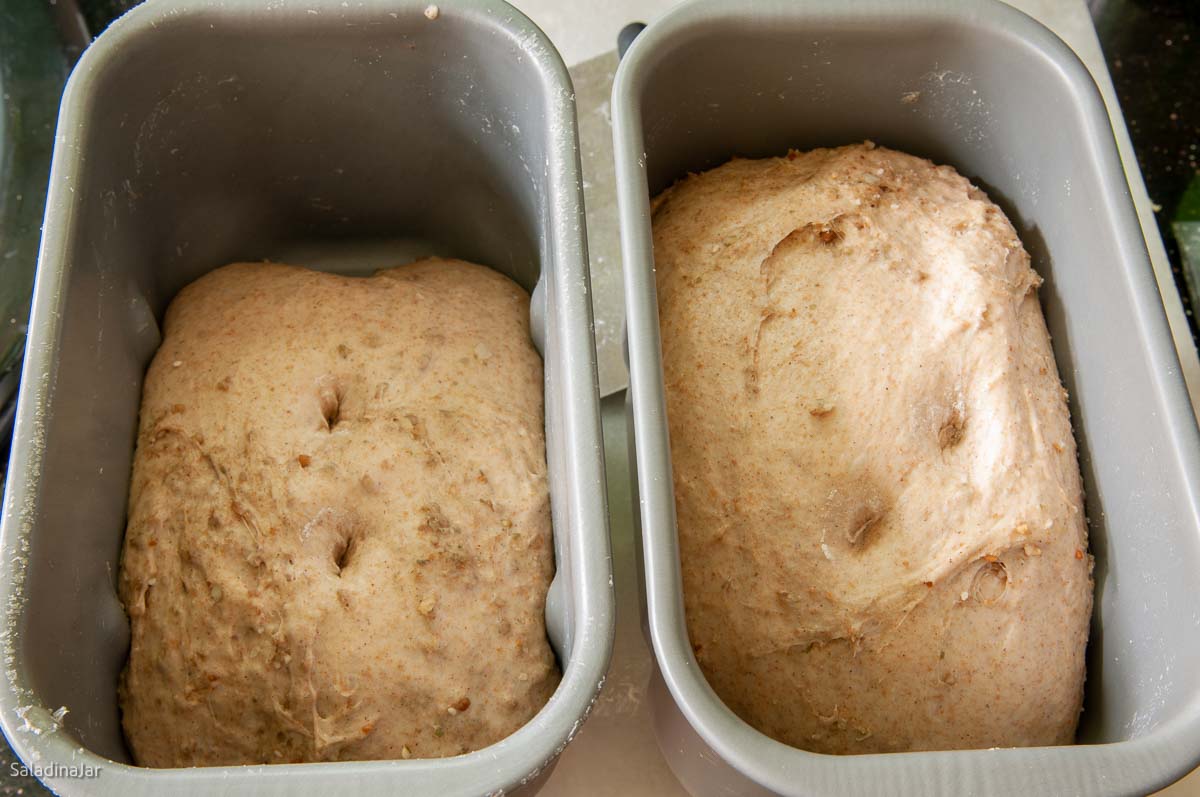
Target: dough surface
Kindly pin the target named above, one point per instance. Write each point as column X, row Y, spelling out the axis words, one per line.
column 879, row 506
column 339, row 535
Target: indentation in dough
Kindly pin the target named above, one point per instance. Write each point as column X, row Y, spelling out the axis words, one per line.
column 853, row 513
column 821, row 408
column 808, row 237
column 951, row 431
column 342, row 550
column 336, row 531
column 828, row 235
column 863, row 521
column 755, row 346
column 990, row 582
column 817, row 234
column 329, row 398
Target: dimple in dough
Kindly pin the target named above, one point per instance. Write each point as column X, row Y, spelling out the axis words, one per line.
column 339, row 534
column 879, row 506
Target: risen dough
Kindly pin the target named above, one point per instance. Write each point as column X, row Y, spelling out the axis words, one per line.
column 880, row 518
column 339, row 532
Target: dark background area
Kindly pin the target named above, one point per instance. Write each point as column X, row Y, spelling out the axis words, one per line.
column 1153, row 52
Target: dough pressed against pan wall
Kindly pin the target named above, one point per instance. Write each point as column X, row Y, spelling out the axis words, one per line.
column 879, row 506
column 339, row 533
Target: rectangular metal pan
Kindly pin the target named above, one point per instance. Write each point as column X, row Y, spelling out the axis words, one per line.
column 980, row 86
column 335, row 135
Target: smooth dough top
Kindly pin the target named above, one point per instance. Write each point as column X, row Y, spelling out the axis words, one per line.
column 339, row 530
column 879, row 506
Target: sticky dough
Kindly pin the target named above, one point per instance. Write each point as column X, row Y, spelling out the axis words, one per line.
column 879, row 507
column 339, row 534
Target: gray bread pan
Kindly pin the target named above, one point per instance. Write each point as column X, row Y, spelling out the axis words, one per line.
column 338, row 135
column 980, row 86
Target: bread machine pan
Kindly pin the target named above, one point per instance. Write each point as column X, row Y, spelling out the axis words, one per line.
column 980, row 86
column 350, row 135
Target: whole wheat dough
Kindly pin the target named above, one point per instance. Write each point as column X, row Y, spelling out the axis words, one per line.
column 879, row 506
column 339, row 533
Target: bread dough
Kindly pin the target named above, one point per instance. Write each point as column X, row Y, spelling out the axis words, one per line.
column 339, row 536
column 879, row 507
